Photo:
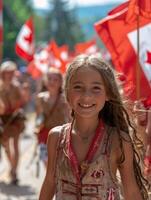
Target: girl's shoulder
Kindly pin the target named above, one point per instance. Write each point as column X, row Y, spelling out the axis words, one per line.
column 57, row 131
column 56, row 137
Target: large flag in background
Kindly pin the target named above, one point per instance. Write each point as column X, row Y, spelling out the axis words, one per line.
column 119, row 32
column 25, row 41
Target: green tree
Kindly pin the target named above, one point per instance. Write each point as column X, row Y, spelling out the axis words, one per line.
column 15, row 13
column 41, row 28
column 63, row 25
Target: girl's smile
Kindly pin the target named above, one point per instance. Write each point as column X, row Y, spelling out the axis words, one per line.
column 87, row 92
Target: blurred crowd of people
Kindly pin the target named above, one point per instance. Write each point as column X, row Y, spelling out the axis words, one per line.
column 20, row 94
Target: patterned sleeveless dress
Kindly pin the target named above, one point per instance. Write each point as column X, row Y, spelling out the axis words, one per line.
column 96, row 184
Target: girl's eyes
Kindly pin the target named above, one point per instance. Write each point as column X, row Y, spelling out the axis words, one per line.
column 93, row 89
column 97, row 88
column 53, row 79
column 77, row 87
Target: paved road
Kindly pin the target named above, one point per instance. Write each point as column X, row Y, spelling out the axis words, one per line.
column 30, row 183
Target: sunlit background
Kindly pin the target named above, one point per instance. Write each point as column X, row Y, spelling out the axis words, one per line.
column 44, row 3
column 48, row 25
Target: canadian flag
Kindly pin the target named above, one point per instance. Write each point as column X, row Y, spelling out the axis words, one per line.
column 126, row 33
column 25, row 41
column 40, row 63
column 50, row 56
column 58, row 56
column 145, row 50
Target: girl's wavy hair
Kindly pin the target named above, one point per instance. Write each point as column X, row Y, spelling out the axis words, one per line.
column 113, row 113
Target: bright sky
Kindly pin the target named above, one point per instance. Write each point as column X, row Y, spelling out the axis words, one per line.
column 92, row 2
column 44, row 3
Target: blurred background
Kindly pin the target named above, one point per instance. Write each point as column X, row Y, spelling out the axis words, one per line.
column 66, row 21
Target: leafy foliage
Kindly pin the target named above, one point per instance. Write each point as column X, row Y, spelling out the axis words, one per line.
column 63, row 25
column 15, row 13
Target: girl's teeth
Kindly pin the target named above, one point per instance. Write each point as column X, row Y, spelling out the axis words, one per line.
column 86, row 105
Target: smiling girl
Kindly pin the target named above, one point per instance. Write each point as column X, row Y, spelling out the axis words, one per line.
column 84, row 156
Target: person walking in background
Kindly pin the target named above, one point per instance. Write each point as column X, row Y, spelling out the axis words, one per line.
column 51, row 108
column 85, row 155
column 12, row 117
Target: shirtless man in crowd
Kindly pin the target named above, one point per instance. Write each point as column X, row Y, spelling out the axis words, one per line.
column 11, row 115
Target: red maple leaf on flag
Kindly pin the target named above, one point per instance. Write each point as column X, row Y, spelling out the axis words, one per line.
column 148, row 57
column 29, row 38
column 25, row 41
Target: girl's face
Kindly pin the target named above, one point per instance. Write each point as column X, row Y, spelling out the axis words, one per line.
column 53, row 82
column 86, row 93
column 8, row 76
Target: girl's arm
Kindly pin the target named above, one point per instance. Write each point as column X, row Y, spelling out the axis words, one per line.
column 48, row 186
column 130, row 186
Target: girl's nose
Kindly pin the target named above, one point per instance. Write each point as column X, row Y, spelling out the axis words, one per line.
column 87, row 93
column 51, row 80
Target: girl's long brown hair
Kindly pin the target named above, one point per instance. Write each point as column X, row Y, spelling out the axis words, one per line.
column 114, row 113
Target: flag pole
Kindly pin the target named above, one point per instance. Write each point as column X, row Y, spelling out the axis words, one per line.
column 138, row 56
